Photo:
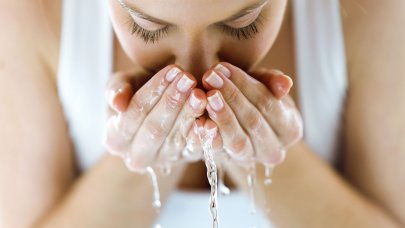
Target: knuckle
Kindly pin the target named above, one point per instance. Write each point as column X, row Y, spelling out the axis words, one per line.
column 239, row 146
column 255, row 123
column 173, row 101
column 231, row 96
column 223, row 119
column 136, row 106
column 175, row 140
column 266, row 105
column 156, row 131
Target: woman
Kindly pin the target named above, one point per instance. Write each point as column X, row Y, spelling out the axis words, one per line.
column 46, row 184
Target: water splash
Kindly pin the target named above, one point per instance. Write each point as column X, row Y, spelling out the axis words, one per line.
column 206, row 139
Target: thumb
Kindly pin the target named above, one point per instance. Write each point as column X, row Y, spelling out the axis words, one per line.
column 119, row 91
column 276, row 81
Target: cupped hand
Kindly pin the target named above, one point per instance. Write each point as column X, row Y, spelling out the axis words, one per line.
column 256, row 118
column 152, row 120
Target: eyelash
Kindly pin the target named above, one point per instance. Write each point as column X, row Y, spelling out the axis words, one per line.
column 246, row 32
column 146, row 35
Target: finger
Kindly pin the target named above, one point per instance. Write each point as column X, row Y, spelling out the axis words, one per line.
column 281, row 115
column 128, row 122
column 193, row 150
column 264, row 140
column 176, row 140
column 160, row 120
column 120, row 129
column 235, row 140
column 276, row 81
column 119, row 91
column 217, row 144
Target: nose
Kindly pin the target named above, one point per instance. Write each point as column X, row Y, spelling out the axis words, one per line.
column 197, row 54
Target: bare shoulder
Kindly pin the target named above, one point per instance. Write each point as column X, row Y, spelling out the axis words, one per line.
column 374, row 120
column 33, row 25
column 36, row 161
column 372, row 26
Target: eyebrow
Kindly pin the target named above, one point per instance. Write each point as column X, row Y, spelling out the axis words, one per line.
column 239, row 14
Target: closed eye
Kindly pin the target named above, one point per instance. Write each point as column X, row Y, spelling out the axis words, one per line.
column 227, row 26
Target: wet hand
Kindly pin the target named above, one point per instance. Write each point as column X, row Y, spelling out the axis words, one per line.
column 152, row 121
column 256, row 118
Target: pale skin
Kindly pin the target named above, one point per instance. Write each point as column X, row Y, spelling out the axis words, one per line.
column 40, row 186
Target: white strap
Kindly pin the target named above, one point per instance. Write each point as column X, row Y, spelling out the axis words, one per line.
column 84, row 67
column 321, row 69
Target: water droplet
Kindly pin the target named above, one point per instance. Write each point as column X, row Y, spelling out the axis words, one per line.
column 251, row 179
column 268, row 171
column 222, row 188
column 156, row 194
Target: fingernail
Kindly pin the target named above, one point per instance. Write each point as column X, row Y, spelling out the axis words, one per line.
column 112, row 96
column 289, row 79
column 225, row 71
column 172, row 74
column 215, row 102
column 214, row 80
column 195, row 102
column 184, row 84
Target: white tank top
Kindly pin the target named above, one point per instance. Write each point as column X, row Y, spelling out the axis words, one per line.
column 86, row 63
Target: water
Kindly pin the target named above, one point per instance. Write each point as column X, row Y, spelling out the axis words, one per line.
column 268, row 171
column 215, row 175
column 251, row 180
column 156, row 194
column 223, row 190
column 206, row 139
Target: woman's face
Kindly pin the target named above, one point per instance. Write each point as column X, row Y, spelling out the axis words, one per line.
column 195, row 34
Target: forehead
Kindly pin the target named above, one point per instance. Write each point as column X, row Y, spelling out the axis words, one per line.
column 191, row 11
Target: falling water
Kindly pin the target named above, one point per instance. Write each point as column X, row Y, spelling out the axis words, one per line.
column 206, row 142
column 268, row 171
column 251, row 180
column 156, row 194
column 221, row 185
